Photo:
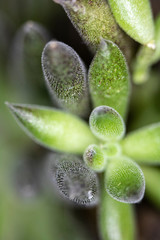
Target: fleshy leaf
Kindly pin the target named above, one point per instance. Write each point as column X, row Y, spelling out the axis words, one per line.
column 143, row 145
column 124, row 180
column 95, row 158
column 65, row 75
column 25, row 63
column 109, row 78
column 135, row 18
column 94, row 21
column 106, row 124
column 116, row 219
column 156, row 56
column 152, row 178
column 146, row 57
column 141, row 67
column 53, row 128
column 74, row 180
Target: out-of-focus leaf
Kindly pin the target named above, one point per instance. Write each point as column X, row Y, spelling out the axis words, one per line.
column 25, row 64
column 65, row 75
column 106, row 124
column 141, row 68
column 94, row 21
column 109, row 78
column 134, row 17
column 94, row 158
column 143, row 145
column 53, row 128
column 124, row 180
column 75, row 181
column 152, row 178
column 116, row 219
column 156, row 55
column 147, row 57
column 145, row 103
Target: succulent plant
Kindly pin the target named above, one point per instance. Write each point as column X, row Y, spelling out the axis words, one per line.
column 94, row 162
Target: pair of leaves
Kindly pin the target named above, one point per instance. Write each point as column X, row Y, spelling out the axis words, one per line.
column 65, row 75
column 94, row 21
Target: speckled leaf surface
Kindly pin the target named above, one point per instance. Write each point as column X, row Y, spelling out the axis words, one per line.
column 109, row 78
column 94, row 21
column 106, row 124
column 65, row 75
column 135, row 18
column 124, row 180
column 95, row 158
column 143, row 145
column 53, row 128
column 116, row 219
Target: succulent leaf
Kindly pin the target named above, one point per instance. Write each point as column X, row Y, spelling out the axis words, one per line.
column 65, row 75
column 143, row 145
column 74, row 180
column 116, row 219
column 106, row 124
column 124, row 180
column 94, row 21
column 53, row 128
column 94, row 158
column 109, row 80
column 146, row 57
column 25, row 61
column 135, row 18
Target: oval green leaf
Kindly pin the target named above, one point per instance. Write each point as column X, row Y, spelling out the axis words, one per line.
column 106, row 124
column 65, row 75
column 109, row 78
column 135, row 18
column 116, row 219
column 124, row 180
column 94, row 158
column 143, row 145
column 53, row 128
column 94, row 21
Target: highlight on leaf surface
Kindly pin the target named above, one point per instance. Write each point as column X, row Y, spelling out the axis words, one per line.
column 106, row 124
column 74, row 180
column 109, row 79
column 135, row 18
column 124, row 180
column 116, row 219
column 65, row 75
column 143, row 145
column 94, row 158
column 94, row 21
column 26, row 60
column 53, row 128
